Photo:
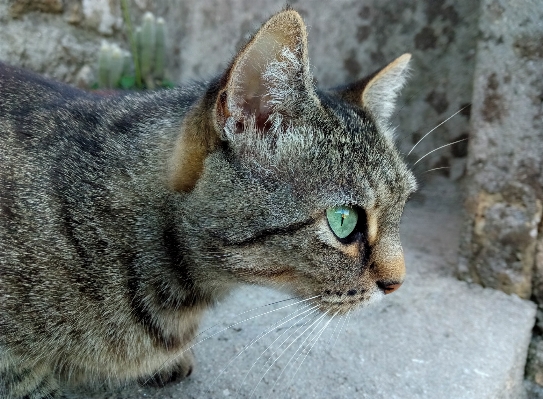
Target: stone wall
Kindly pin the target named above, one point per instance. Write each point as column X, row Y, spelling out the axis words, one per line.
column 505, row 189
column 500, row 245
column 348, row 39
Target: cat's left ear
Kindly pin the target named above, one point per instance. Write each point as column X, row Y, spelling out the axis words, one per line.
column 267, row 77
column 377, row 93
column 263, row 87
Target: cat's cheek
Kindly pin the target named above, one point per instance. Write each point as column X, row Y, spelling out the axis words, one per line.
column 372, row 221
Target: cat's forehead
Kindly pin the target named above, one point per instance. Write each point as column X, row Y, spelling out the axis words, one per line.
column 343, row 160
column 348, row 159
column 332, row 154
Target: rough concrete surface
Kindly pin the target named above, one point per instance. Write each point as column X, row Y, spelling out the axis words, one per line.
column 436, row 337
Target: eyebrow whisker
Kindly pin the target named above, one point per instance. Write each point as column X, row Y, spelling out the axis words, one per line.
column 438, row 148
column 452, row 116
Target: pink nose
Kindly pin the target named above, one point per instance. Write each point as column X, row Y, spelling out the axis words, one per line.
column 389, row 288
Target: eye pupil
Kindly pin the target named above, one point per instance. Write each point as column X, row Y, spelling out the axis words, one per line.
column 344, row 213
column 342, row 220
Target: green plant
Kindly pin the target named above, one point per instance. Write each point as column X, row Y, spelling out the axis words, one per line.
column 151, row 45
column 114, row 67
column 144, row 66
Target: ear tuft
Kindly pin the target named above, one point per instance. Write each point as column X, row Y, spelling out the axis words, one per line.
column 268, row 74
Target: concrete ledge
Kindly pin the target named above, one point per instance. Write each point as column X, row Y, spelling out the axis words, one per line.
column 435, row 338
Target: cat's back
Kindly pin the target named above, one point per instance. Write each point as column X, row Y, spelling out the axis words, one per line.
column 23, row 92
column 68, row 159
column 38, row 147
column 36, row 116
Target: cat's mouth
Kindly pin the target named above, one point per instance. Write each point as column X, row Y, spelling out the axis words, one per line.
column 330, row 301
column 342, row 302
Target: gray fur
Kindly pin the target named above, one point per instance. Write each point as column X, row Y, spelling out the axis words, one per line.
column 105, row 270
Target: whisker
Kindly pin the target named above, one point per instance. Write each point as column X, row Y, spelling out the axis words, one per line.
column 226, row 328
column 438, row 148
column 281, row 354
column 452, row 116
column 442, row 167
column 348, row 321
column 312, row 345
column 276, row 339
column 343, row 322
column 262, row 335
column 259, row 307
column 294, row 354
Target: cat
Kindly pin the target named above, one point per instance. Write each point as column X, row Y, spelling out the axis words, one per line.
column 123, row 218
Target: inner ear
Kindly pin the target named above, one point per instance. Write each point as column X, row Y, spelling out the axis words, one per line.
column 269, row 69
column 266, row 77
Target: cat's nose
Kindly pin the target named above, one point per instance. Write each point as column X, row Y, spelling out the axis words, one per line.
column 389, row 272
column 387, row 287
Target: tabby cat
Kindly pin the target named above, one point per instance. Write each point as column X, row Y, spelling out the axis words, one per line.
column 122, row 219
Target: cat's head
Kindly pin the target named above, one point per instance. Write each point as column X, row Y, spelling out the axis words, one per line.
column 292, row 187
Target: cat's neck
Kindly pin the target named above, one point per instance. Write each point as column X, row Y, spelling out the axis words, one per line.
column 185, row 279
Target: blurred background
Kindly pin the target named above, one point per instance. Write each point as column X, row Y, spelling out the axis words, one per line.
column 348, row 40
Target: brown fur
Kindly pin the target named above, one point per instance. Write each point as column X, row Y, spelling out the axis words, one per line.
column 196, row 141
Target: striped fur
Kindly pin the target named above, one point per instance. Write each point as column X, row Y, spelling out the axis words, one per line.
column 122, row 219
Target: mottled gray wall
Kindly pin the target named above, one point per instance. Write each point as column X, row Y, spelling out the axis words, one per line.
column 505, row 186
column 348, row 39
column 502, row 244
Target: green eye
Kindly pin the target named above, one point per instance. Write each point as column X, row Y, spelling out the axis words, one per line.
column 342, row 220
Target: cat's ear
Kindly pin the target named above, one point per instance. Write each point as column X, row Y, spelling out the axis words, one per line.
column 378, row 92
column 268, row 75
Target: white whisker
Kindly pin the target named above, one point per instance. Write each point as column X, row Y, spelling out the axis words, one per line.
column 438, row 148
column 260, row 307
column 224, row 329
column 348, row 320
column 281, row 354
column 262, row 335
column 343, row 322
column 312, row 345
column 452, row 116
column 294, row 354
column 276, row 339
column 442, row 167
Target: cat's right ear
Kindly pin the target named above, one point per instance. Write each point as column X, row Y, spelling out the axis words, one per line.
column 267, row 76
column 377, row 93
